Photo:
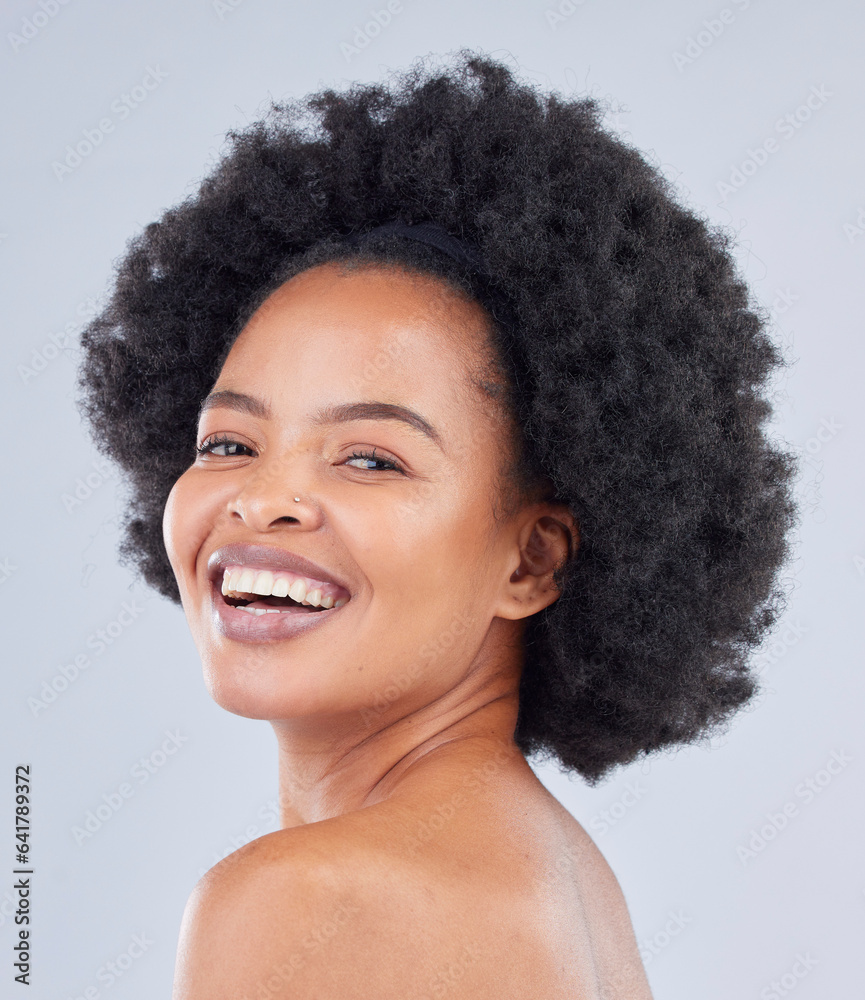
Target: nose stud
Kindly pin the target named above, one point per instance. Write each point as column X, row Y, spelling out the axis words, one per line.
column 297, row 499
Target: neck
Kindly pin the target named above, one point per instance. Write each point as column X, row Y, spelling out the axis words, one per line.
column 329, row 769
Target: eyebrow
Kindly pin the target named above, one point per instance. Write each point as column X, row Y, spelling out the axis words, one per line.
column 335, row 413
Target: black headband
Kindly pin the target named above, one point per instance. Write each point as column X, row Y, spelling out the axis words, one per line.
column 427, row 232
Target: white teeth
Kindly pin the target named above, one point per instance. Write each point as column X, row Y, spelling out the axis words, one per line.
column 263, row 611
column 263, row 583
column 242, row 581
column 297, row 591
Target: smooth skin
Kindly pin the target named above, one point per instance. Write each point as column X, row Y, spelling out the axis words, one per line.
column 418, row 855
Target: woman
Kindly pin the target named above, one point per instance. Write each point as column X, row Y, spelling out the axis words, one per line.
column 444, row 424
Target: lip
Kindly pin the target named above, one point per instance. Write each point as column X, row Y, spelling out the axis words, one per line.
column 240, row 625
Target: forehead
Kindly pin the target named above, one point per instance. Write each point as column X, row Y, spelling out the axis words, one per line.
column 331, row 333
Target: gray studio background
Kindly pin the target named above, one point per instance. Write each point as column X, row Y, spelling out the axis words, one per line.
column 739, row 860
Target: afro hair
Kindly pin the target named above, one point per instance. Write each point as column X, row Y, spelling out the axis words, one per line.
column 636, row 369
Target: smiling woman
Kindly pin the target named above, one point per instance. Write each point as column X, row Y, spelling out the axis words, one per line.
column 282, row 418
column 443, row 421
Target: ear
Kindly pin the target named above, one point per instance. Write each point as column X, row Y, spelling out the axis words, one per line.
column 547, row 538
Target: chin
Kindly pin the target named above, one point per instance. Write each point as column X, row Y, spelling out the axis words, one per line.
column 246, row 684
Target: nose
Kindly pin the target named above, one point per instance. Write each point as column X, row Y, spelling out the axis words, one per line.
column 266, row 497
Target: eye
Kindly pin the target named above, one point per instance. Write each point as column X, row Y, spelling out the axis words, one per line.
column 209, row 445
column 366, row 456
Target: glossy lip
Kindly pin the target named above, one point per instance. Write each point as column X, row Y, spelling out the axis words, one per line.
column 240, row 625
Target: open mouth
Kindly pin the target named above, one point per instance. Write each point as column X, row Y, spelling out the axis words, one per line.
column 256, row 604
column 259, row 591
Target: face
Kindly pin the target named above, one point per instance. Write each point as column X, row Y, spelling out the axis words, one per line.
column 395, row 518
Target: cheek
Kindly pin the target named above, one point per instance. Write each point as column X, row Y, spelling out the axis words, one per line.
column 432, row 566
column 185, row 524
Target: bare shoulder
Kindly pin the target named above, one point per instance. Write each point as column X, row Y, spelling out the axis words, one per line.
column 331, row 911
column 385, row 902
column 589, row 888
column 325, row 910
column 271, row 918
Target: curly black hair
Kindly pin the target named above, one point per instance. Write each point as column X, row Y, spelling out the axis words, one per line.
column 636, row 369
